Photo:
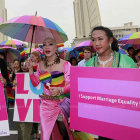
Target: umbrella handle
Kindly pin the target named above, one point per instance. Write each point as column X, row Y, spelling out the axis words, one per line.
column 32, row 39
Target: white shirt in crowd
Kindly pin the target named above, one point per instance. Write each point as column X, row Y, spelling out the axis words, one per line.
column 82, row 63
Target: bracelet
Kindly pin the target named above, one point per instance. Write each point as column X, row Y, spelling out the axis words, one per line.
column 61, row 91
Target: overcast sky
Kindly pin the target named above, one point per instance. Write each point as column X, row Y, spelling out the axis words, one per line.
column 113, row 12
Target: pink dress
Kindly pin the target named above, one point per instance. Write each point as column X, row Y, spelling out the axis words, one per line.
column 51, row 107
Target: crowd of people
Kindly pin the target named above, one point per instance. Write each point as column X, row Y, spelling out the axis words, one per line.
column 54, row 73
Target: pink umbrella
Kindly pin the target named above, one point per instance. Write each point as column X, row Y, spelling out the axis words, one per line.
column 84, row 44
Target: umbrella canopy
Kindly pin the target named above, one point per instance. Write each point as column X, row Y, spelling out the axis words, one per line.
column 61, row 50
column 122, row 51
column 10, row 53
column 126, row 46
column 33, row 29
column 12, row 43
column 27, row 50
column 133, row 38
column 71, row 54
column 70, row 49
column 84, row 44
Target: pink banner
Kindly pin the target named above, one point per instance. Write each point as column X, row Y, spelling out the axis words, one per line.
column 106, row 102
column 3, row 109
column 27, row 102
column 4, row 126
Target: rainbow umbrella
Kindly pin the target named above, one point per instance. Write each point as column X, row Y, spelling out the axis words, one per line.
column 71, row 54
column 12, row 43
column 27, row 50
column 61, row 50
column 126, row 46
column 33, row 29
column 122, row 51
column 70, row 49
column 10, row 53
column 84, row 44
column 133, row 38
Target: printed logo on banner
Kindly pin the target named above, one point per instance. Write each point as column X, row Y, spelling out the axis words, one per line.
column 106, row 102
column 27, row 102
column 4, row 125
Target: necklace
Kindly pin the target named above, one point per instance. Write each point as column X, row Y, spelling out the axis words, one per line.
column 106, row 61
column 51, row 64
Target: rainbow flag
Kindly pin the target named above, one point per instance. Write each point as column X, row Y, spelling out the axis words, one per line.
column 81, row 54
column 45, row 77
column 58, row 79
column 60, row 45
column 22, row 51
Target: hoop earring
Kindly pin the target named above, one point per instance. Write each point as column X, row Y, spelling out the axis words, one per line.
column 110, row 45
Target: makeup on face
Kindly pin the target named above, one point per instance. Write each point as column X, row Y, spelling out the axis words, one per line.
column 100, row 41
column 49, row 47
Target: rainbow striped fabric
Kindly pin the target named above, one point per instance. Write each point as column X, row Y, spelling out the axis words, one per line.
column 45, row 77
column 81, row 54
column 60, row 45
column 57, row 78
column 22, row 51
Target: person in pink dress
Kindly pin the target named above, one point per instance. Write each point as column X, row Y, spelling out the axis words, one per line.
column 54, row 74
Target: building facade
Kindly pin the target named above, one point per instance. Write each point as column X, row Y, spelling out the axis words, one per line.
column 87, row 16
column 126, row 29
column 3, row 16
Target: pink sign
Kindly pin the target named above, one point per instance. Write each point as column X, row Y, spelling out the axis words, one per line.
column 4, row 126
column 27, row 104
column 106, row 102
column 0, row 19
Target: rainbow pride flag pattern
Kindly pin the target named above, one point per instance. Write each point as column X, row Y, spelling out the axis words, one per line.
column 45, row 77
column 58, row 78
column 60, row 45
column 22, row 51
column 81, row 54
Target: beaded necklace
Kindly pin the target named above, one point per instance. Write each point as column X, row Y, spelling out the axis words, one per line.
column 116, row 60
column 106, row 61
